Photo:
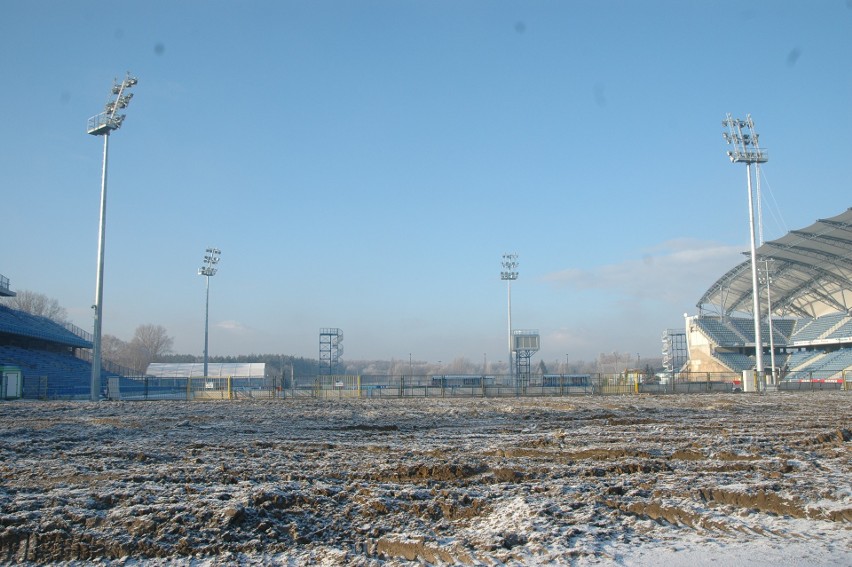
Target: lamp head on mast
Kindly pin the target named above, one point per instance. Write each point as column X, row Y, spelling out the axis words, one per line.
column 510, row 266
column 107, row 121
column 211, row 258
column 744, row 141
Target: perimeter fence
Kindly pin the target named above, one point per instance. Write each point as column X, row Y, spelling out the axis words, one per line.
column 332, row 387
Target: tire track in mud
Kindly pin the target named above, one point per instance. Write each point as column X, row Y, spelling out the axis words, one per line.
column 447, row 480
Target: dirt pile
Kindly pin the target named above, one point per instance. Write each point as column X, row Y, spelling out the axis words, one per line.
column 372, row 482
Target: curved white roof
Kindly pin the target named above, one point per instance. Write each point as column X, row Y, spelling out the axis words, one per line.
column 214, row 369
column 810, row 269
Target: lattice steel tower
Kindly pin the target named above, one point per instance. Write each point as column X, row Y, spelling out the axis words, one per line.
column 675, row 351
column 330, row 350
column 525, row 343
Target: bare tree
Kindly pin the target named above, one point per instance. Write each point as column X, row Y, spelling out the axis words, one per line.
column 461, row 365
column 38, row 304
column 116, row 350
column 395, row 367
column 149, row 343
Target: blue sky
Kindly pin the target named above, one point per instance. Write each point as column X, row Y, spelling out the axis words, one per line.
column 364, row 165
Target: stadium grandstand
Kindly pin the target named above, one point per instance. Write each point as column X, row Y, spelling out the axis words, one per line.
column 52, row 359
column 5, row 290
column 805, row 289
column 43, row 359
column 805, row 299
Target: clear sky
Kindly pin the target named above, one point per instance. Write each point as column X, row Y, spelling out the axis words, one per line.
column 365, row 164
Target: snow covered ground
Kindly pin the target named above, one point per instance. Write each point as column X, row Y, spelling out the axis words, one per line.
column 705, row 479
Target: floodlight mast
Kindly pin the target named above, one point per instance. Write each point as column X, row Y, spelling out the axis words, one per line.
column 509, row 274
column 102, row 125
column 745, row 149
column 211, row 258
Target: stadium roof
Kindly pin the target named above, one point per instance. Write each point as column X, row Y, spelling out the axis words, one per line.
column 214, row 369
column 810, row 270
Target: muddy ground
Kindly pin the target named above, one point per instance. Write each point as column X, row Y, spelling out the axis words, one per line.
column 565, row 481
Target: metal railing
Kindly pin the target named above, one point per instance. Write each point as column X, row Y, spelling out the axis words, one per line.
column 405, row 386
column 83, row 334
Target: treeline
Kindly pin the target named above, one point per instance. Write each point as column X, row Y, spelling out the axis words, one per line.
column 151, row 343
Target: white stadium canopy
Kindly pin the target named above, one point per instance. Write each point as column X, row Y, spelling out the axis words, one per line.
column 810, row 274
column 214, row 369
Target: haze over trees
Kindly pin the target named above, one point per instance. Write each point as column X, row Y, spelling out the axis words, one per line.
column 148, row 344
column 151, row 343
column 37, row 304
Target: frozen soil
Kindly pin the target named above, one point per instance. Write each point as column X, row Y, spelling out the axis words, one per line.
column 563, row 481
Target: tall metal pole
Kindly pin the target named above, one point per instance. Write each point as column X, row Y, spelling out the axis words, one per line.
column 206, row 322
column 768, row 276
column 509, row 273
column 758, row 198
column 746, row 149
column 509, row 333
column 211, row 258
column 772, row 368
column 755, row 290
column 94, row 392
column 101, row 125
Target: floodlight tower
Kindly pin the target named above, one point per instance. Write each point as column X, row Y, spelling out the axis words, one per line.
column 102, row 125
column 509, row 274
column 745, row 149
column 211, row 258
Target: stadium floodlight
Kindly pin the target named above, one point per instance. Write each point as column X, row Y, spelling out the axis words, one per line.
column 744, row 141
column 509, row 274
column 745, row 149
column 211, row 258
column 102, row 125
